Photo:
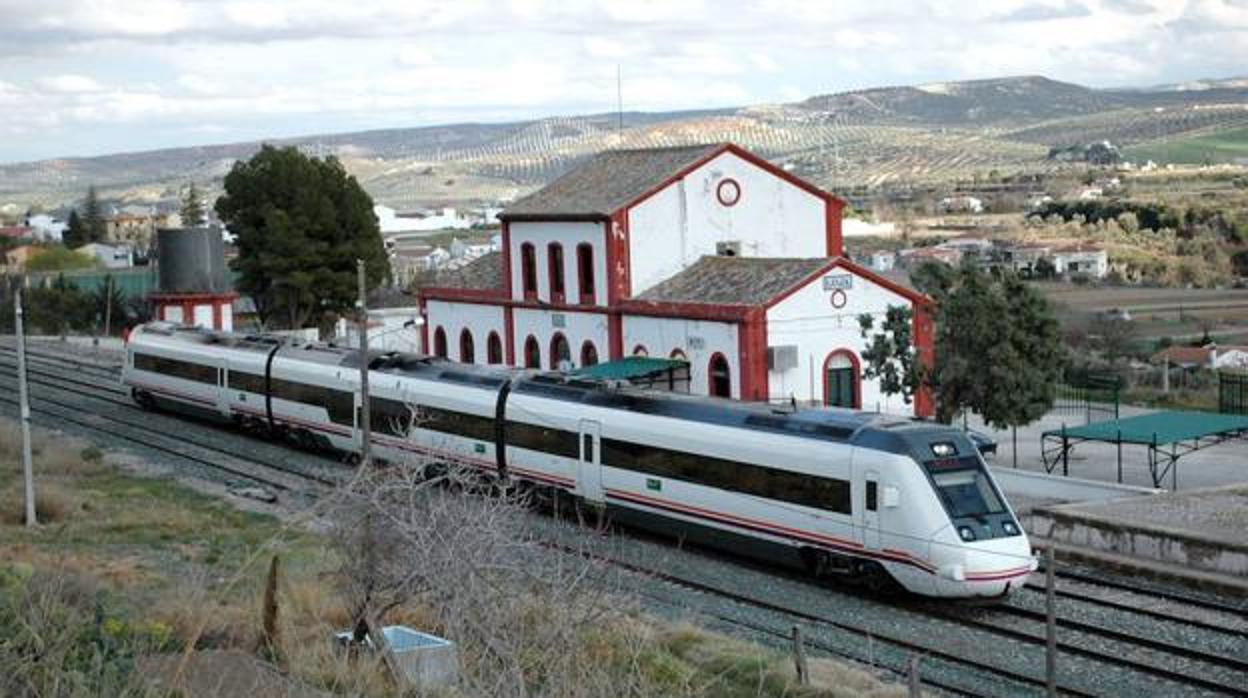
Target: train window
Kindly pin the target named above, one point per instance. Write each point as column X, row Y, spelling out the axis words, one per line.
column 454, row 423
column 587, row 448
column 825, row 493
column 872, row 495
column 392, row 417
column 553, row 441
column 175, row 368
column 247, row 382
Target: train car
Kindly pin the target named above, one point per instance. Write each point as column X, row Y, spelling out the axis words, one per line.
column 842, row 493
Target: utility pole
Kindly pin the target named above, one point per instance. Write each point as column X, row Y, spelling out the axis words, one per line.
column 108, row 305
column 28, row 472
column 366, row 425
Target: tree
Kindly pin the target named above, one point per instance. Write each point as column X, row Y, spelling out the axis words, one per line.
column 998, row 349
column 75, row 231
column 59, row 258
column 192, row 208
column 93, row 217
column 890, row 355
column 300, row 224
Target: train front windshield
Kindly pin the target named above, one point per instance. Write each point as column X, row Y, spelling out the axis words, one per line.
column 973, row 503
column 967, row 492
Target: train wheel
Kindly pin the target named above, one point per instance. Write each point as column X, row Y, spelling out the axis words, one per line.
column 872, row 576
column 144, row 399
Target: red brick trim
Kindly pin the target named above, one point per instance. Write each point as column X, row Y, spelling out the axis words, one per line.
column 507, row 279
column 752, row 355
column 619, row 283
column 509, row 336
column 924, row 346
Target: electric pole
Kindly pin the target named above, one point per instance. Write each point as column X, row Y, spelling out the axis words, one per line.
column 28, row 472
column 366, row 426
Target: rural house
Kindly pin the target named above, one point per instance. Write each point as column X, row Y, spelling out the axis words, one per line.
column 705, row 254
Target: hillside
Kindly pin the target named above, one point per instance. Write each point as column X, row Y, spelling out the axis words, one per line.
column 864, row 138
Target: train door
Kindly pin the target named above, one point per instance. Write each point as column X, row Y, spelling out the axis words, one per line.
column 871, row 510
column 222, row 393
column 589, row 470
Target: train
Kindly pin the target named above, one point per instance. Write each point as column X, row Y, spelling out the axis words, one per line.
column 871, row 498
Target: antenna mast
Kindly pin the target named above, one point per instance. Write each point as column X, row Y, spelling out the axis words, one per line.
column 619, row 100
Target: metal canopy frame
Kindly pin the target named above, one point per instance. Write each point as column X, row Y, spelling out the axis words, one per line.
column 1163, row 456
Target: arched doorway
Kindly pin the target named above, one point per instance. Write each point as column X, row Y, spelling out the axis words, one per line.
column 532, row 353
column 439, row 342
column 719, row 376
column 589, row 354
column 466, row 349
column 559, row 351
column 640, row 350
column 842, row 380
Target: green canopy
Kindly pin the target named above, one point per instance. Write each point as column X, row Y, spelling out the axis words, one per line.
column 629, row 368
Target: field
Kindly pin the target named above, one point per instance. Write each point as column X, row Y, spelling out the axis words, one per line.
column 127, row 567
column 1220, row 146
column 1180, row 314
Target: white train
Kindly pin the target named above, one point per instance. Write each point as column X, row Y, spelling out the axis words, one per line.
column 840, row 492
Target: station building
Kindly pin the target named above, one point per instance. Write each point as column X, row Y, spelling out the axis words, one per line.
column 706, row 254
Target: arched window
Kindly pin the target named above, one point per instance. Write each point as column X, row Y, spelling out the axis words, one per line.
column 589, row 354
column 585, row 272
column 439, row 342
column 640, row 350
column 528, row 270
column 842, row 380
column 494, row 349
column 559, row 350
column 719, row 377
column 554, row 268
column 465, row 347
column 532, row 353
column 679, row 355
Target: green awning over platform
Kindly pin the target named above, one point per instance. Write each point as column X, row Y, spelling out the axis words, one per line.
column 629, row 368
column 1157, row 428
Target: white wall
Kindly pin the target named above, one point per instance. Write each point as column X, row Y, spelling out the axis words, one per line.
column 808, row 320
column 773, row 218
column 577, row 328
column 569, row 235
column 480, row 319
column 661, row 335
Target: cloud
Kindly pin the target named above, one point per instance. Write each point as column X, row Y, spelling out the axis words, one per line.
column 1044, row 12
column 69, row 84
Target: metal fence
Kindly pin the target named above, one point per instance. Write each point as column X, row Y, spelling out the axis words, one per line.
column 1233, row 392
column 1093, row 396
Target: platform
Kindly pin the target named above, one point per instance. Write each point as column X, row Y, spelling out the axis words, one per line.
column 1168, row 435
column 1199, row 532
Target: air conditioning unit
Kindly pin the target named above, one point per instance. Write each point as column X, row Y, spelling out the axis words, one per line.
column 782, row 358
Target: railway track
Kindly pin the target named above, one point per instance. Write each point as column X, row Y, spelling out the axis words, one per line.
column 1087, row 647
column 64, row 399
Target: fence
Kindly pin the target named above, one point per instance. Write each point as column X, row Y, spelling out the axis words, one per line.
column 1093, row 396
column 1233, row 392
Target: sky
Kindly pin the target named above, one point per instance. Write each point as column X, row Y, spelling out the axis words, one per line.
column 87, row 77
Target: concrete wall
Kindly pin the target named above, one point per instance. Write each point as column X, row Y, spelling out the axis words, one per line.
column 661, row 335
column 808, row 320
column 478, row 318
column 541, row 234
column 773, row 218
column 577, row 329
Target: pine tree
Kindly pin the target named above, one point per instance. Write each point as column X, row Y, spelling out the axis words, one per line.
column 93, row 217
column 300, row 224
column 75, row 234
column 192, row 208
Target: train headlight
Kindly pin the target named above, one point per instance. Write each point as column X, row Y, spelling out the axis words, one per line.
column 1009, row 528
column 966, row 532
column 943, row 449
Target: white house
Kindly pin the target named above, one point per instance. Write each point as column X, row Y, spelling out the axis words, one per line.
column 705, row 254
column 109, row 256
column 1085, row 260
column 47, row 228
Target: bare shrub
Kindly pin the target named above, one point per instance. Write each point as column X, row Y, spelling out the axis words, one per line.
column 52, row 505
column 60, row 642
column 529, row 620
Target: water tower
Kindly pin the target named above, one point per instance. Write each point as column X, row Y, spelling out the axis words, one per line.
column 192, row 287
